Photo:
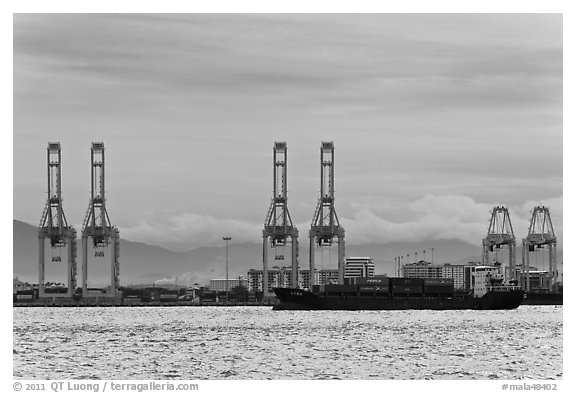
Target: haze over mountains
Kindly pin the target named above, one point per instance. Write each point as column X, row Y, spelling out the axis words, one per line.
column 142, row 263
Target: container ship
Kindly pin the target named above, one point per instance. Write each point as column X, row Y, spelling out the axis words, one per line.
column 394, row 293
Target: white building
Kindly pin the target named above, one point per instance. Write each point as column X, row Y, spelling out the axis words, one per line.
column 304, row 278
column 461, row 274
column 277, row 278
column 281, row 277
column 421, row 269
column 219, row 284
column 359, row 267
column 327, row 276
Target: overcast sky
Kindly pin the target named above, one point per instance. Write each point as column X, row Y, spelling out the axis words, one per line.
column 435, row 119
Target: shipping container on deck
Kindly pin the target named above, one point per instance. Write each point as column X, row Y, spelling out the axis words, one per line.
column 376, row 280
column 407, row 289
column 439, row 281
column 438, row 286
column 402, row 281
column 338, row 288
column 373, row 289
column 438, row 290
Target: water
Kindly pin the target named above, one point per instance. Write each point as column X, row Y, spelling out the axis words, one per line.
column 258, row 343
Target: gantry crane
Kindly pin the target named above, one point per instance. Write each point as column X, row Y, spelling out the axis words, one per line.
column 500, row 234
column 97, row 224
column 540, row 234
column 325, row 225
column 53, row 224
column 278, row 227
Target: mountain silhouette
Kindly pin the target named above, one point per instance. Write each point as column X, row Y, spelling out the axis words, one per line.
column 142, row 263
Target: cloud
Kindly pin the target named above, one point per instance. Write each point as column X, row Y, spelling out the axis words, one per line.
column 441, row 217
column 187, row 231
column 188, row 106
column 432, row 217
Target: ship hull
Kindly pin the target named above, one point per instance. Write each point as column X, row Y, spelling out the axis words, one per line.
column 298, row 299
column 543, row 299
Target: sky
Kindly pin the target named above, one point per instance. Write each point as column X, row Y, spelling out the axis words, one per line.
column 435, row 118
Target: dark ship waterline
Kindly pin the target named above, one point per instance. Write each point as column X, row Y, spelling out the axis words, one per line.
column 402, row 294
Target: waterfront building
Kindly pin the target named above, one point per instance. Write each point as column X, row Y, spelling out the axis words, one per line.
column 255, row 280
column 359, row 267
column 464, row 275
column 421, row 269
column 327, row 276
column 20, row 285
column 219, row 284
column 278, row 277
column 461, row 274
column 539, row 279
column 281, row 277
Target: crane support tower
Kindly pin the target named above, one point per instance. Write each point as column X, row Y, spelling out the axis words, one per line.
column 325, row 225
column 97, row 224
column 540, row 234
column 53, row 225
column 500, row 234
column 278, row 227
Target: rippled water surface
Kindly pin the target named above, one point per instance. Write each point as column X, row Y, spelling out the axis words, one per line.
column 258, row 343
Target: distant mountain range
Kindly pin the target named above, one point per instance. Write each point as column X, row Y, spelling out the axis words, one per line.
column 142, row 263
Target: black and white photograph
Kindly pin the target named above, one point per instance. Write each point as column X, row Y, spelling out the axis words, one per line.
column 287, row 196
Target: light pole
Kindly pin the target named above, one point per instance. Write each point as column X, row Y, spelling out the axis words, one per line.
column 226, row 239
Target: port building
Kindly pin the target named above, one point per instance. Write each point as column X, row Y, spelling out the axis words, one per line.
column 328, row 276
column 539, row 279
column 277, row 278
column 461, row 274
column 359, row 267
column 281, row 277
column 219, row 284
column 421, row 269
